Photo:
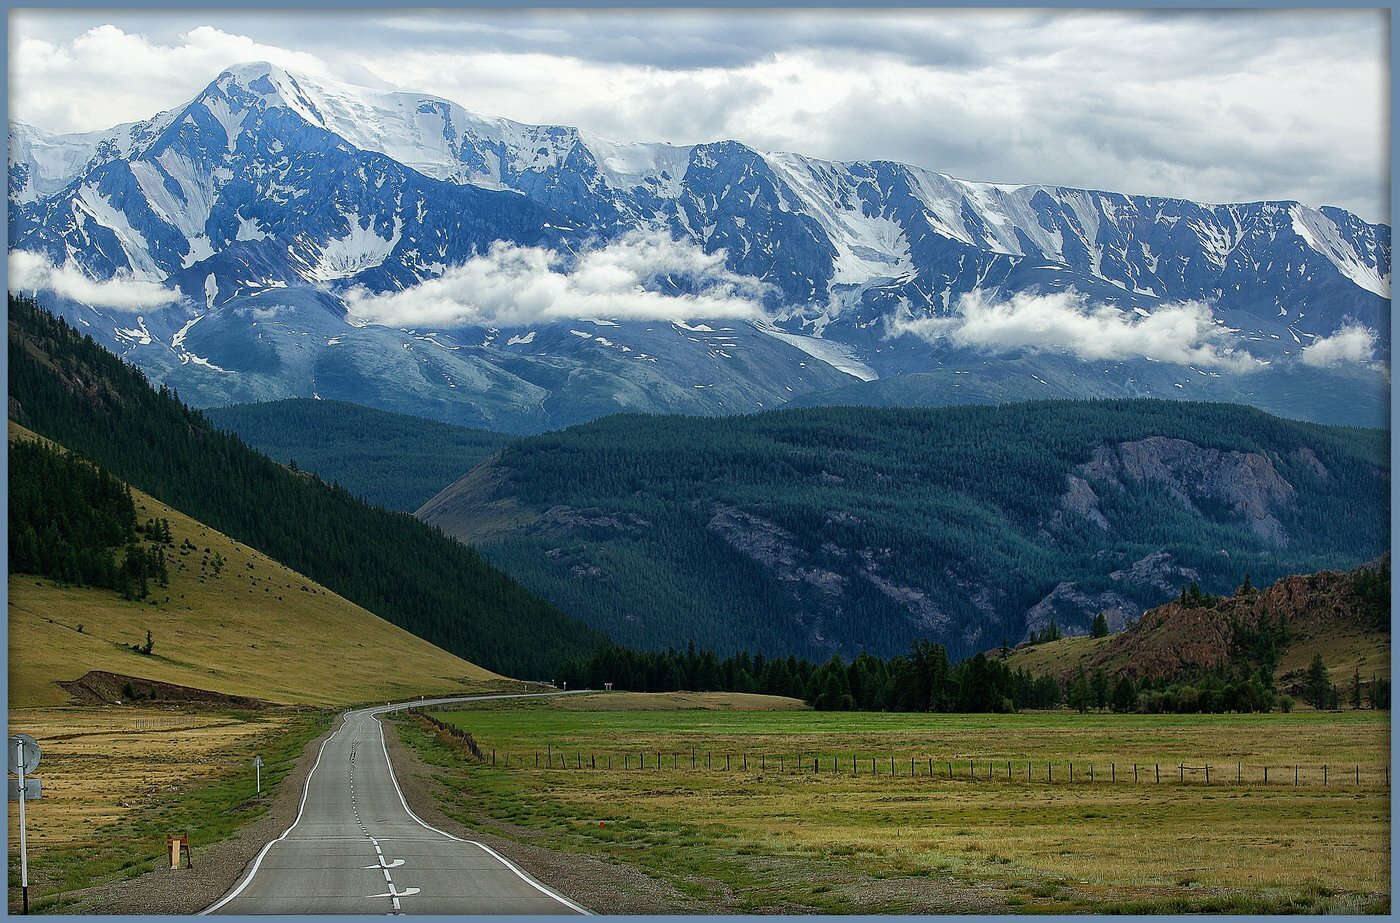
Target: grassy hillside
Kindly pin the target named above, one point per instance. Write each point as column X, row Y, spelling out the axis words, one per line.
column 1326, row 615
column 67, row 388
column 840, row 529
column 254, row 628
column 393, row 460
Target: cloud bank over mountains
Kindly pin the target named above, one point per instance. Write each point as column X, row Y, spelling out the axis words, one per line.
column 624, row 279
column 34, row 272
column 1068, row 322
column 1213, row 106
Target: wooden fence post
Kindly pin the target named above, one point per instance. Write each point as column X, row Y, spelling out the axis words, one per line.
column 1135, row 774
column 1071, row 773
column 1358, row 773
column 1159, row 772
column 1324, row 775
column 1113, row 772
column 726, row 762
column 1181, row 772
column 1207, row 773
column 930, row 767
column 1050, row 772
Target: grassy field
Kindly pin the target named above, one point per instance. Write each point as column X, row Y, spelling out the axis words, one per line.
column 117, row 781
column 760, row 840
column 254, row 628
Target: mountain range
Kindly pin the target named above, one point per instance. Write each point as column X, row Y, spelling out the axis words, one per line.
column 282, row 235
column 834, row 530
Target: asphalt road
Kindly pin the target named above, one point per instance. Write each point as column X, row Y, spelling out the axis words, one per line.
column 356, row 847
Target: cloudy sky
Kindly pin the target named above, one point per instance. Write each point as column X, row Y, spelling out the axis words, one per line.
column 1217, row 106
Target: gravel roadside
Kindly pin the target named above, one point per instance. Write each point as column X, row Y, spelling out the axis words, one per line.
column 602, row 887
column 216, row 867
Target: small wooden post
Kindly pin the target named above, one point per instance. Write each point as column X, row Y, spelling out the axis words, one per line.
column 746, row 761
column 1135, row 778
column 1358, row 773
column 1181, row 772
column 854, row 770
column 971, row 770
column 537, row 759
column 1071, row 773
column 1159, row 772
column 625, row 759
column 726, row 762
column 1207, row 773
column 1113, row 772
column 1324, row 775
column 493, row 756
column 1091, row 773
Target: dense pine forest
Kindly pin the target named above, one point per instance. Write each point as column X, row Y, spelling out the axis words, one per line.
column 815, row 531
column 390, row 459
column 74, row 523
column 67, row 388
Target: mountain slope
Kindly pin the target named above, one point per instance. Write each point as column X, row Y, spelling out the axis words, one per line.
column 837, row 530
column 252, row 628
column 271, row 196
column 67, row 388
column 392, row 460
column 1328, row 613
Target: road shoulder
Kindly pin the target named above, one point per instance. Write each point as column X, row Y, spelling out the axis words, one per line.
column 215, row 867
column 602, row 887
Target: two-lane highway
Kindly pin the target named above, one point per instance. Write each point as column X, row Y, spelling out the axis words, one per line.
column 356, row 847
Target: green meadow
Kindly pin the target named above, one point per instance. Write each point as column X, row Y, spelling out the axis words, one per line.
column 791, row 825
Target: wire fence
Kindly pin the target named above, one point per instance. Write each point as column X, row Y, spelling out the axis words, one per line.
column 908, row 766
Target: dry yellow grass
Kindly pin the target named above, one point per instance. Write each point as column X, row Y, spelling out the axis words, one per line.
column 99, row 762
column 838, row 842
column 255, row 629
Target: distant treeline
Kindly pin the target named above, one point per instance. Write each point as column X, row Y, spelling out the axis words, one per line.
column 922, row 680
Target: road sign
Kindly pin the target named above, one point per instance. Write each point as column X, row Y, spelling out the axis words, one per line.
column 33, row 790
column 257, row 768
column 23, row 750
column 257, row 761
column 24, row 758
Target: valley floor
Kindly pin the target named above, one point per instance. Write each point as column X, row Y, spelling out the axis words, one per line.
column 758, row 837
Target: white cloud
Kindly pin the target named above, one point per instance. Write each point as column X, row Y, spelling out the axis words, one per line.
column 106, row 76
column 512, row 286
column 35, row 272
column 1351, row 344
column 1066, row 322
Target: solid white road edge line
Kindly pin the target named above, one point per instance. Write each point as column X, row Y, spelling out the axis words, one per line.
column 543, row 889
column 305, row 791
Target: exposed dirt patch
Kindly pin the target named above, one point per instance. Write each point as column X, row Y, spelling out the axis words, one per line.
column 98, row 687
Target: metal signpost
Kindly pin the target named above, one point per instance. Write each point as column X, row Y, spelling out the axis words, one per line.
column 24, row 759
column 257, row 767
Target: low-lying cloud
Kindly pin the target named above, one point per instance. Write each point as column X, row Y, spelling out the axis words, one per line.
column 35, row 272
column 1351, row 344
column 1185, row 333
column 514, row 286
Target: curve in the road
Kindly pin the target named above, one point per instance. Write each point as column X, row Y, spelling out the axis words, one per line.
column 357, row 847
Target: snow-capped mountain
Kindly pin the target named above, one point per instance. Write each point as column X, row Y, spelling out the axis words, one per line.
column 270, row 195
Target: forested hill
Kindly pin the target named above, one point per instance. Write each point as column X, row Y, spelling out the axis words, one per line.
column 393, row 460
column 66, row 387
column 827, row 530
